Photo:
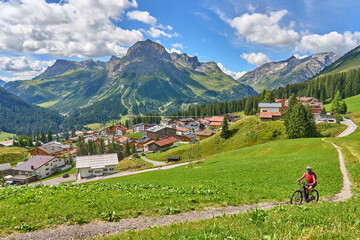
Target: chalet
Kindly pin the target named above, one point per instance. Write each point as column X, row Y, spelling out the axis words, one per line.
column 96, row 165
column 124, row 140
column 48, row 150
column 38, row 167
column 5, row 169
column 166, row 121
column 142, row 127
column 316, row 105
column 188, row 137
column 205, row 134
column 271, row 111
column 187, row 120
column 232, row 117
column 160, row 145
column 194, row 126
column 8, row 143
column 203, row 123
column 141, row 142
column 116, row 130
column 216, row 121
column 160, row 132
column 182, row 130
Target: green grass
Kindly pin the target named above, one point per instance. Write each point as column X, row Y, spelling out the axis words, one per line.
column 330, row 129
column 248, row 131
column 129, row 163
column 326, row 220
column 353, row 104
column 261, row 173
column 5, row 136
column 12, row 155
column 48, row 104
column 134, row 135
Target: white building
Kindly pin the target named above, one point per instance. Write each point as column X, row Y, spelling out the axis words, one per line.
column 96, row 165
column 40, row 166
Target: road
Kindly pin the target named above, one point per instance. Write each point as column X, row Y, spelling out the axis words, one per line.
column 155, row 163
column 351, row 128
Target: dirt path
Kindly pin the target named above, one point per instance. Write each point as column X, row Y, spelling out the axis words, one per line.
column 92, row 230
column 155, row 163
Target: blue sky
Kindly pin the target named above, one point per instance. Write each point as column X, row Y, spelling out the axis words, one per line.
column 239, row 35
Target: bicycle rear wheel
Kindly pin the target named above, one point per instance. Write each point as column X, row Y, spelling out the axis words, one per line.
column 296, row 198
column 315, row 194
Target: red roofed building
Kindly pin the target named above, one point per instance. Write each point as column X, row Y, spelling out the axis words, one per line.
column 270, row 116
column 160, row 145
column 216, row 121
column 181, row 131
column 116, row 130
column 316, row 105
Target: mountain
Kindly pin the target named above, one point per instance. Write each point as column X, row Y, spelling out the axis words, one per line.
column 293, row 70
column 20, row 117
column 146, row 79
column 2, row 83
column 351, row 60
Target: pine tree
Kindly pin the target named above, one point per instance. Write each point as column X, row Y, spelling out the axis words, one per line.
column 66, row 136
column 133, row 149
column 49, row 137
column 42, row 137
column 127, row 149
column 225, row 132
column 335, row 104
column 101, row 146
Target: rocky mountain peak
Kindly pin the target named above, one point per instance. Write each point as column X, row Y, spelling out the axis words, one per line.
column 148, row 49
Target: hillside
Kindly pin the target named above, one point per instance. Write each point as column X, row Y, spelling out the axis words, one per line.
column 20, row 117
column 2, row 83
column 353, row 104
column 351, row 60
column 176, row 81
column 13, row 155
column 293, row 70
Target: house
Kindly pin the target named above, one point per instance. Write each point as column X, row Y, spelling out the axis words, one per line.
column 140, row 143
column 142, row 127
column 161, row 145
column 48, row 150
column 116, row 130
column 232, row 117
column 38, row 167
column 187, row 120
column 124, row 140
column 315, row 105
column 194, row 126
column 271, row 111
column 216, row 121
column 173, row 159
column 160, row 132
column 166, row 121
column 205, row 134
column 8, row 143
column 182, row 130
column 187, row 137
column 96, row 165
column 5, row 169
column 203, row 123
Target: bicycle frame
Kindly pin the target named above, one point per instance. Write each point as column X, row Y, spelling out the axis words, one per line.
column 304, row 189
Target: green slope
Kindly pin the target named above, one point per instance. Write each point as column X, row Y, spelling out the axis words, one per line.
column 353, row 104
column 349, row 61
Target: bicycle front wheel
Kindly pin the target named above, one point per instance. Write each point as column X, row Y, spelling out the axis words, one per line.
column 296, row 198
column 315, row 194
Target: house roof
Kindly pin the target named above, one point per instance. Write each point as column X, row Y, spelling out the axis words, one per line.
column 232, row 115
column 215, row 123
column 166, row 141
column 206, row 132
column 123, row 139
column 121, row 128
column 270, row 115
column 190, row 135
column 35, row 162
column 203, row 121
column 5, row 167
column 96, row 161
column 270, row 105
column 51, row 148
column 155, row 128
column 142, row 140
column 7, row 143
column 19, row 163
column 182, row 129
column 216, row 119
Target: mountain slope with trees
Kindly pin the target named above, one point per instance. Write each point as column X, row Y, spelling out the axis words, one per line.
column 349, row 61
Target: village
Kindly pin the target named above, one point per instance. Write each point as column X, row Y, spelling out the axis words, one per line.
column 55, row 157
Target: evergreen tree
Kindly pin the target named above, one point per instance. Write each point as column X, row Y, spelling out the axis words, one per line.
column 57, row 137
column 267, row 97
column 101, row 147
column 72, row 133
column 42, row 137
column 335, row 104
column 225, row 132
column 49, row 137
column 133, row 149
column 66, row 136
column 70, row 160
column 127, row 149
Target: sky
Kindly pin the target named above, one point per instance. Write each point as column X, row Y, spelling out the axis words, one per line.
column 238, row 35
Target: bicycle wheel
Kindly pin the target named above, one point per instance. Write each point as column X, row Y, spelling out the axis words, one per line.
column 296, row 198
column 315, row 194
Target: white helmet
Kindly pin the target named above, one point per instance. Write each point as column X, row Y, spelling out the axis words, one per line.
column 309, row 168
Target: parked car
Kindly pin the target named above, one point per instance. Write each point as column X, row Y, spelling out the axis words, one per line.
column 10, row 183
column 65, row 175
column 346, row 117
column 337, row 121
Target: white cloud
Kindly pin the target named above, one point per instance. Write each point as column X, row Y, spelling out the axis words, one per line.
column 175, row 51
column 264, row 29
column 141, row 16
column 22, row 68
column 71, row 28
column 235, row 75
column 255, row 58
column 331, row 42
column 178, row 45
column 155, row 32
column 298, row 56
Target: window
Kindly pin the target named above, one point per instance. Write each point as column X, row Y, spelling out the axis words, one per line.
column 47, row 174
column 46, row 169
column 90, row 171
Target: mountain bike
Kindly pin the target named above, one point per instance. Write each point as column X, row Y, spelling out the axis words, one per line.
column 299, row 195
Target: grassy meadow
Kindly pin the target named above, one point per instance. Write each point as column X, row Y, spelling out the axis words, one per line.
column 260, row 173
column 5, row 136
column 353, row 104
column 12, row 155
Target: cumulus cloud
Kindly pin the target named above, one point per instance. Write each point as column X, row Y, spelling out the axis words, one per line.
column 331, row 42
column 22, row 68
column 141, row 16
column 71, row 28
column 255, row 58
column 178, row 45
column 235, row 75
column 175, row 50
column 264, row 29
column 156, row 32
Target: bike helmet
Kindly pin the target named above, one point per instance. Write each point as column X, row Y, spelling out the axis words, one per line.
column 309, row 168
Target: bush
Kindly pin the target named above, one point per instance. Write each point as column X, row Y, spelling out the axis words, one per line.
column 339, row 118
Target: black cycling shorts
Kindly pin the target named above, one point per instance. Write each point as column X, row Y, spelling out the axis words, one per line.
column 308, row 185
